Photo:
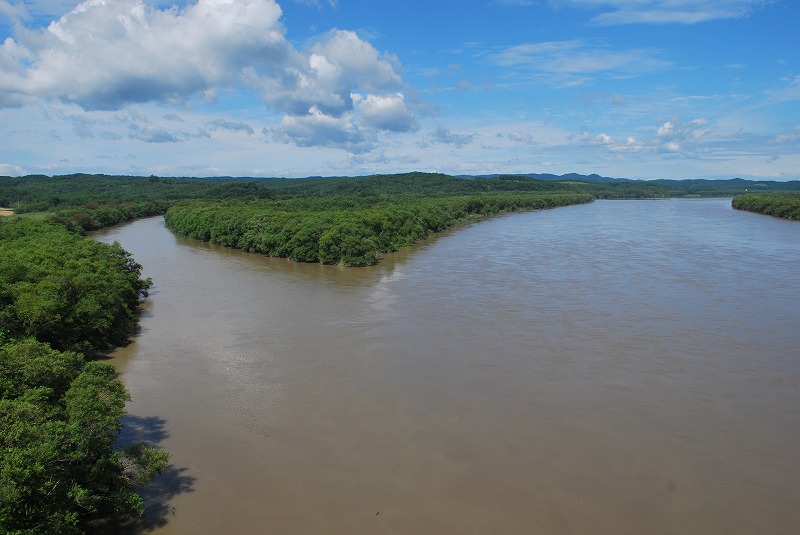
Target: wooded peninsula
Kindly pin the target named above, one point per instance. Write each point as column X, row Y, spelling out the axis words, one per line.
column 785, row 205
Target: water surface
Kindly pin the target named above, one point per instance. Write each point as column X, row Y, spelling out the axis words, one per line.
column 619, row 367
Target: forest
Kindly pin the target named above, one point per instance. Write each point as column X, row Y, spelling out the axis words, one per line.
column 351, row 230
column 90, row 202
column 65, row 298
column 785, row 205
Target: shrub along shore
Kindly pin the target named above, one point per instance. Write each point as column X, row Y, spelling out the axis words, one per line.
column 63, row 299
column 785, row 205
column 343, row 229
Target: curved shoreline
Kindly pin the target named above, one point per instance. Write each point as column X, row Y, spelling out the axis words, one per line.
column 345, row 230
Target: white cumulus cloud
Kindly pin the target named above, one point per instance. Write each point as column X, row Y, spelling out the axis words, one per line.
column 788, row 138
column 386, row 112
column 103, row 55
column 676, row 130
column 10, row 170
column 631, row 145
column 317, row 128
column 599, row 139
column 106, row 55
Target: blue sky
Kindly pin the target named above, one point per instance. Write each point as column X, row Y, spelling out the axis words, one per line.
column 639, row 89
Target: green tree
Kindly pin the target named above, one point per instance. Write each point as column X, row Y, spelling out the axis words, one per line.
column 63, row 296
column 64, row 289
column 60, row 416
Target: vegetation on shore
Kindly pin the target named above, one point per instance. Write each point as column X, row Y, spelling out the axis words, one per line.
column 345, row 220
column 785, row 205
column 63, row 298
column 351, row 230
column 90, row 202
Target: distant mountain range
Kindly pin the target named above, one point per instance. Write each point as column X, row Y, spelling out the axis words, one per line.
column 548, row 176
column 687, row 183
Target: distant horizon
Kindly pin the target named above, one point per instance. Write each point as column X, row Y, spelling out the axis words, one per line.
column 293, row 88
column 569, row 175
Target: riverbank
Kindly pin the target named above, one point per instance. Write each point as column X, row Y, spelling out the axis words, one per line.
column 785, row 205
column 351, row 230
column 65, row 298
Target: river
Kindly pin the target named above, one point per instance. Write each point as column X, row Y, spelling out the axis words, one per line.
column 618, row 367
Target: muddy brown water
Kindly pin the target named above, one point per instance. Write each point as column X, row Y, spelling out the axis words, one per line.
column 619, row 367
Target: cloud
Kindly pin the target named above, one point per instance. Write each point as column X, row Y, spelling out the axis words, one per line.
column 83, row 132
column 106, row 55
column 10, row 170
column 525, row 139
column 338, row 65
column 386, row 112
column 631, row 144
column 318, row 3
column 444, row 136
column 81, row 125
column 103, row 55
column 788, row 138
column 672, row 146
column 151, row 134
column 619, row 12
column 789, row 92
column 599, row 139
column 574, row 62
column 675, row 137
column 317, row 128
column 678, row 131
column 666, row 129
column 222, row 124
column 39, row 8
column 14, row 12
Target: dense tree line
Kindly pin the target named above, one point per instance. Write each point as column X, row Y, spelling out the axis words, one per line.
column 38, row 193
column 95, row 201
column 62, row 298
column 93, row 216
column 785, row 205
column 90, row 202
column 68, row 291
column 727, row 188
column 352, row 230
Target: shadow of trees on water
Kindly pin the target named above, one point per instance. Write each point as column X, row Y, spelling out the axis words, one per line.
column 173, row 480
column 150, row 429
